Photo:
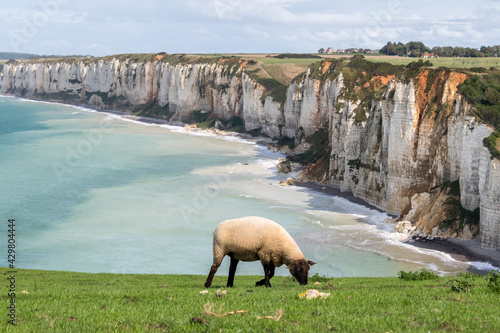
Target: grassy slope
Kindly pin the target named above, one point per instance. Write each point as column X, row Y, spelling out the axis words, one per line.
column 81, row 302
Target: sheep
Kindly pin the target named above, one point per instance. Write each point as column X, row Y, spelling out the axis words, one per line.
column 254, row 238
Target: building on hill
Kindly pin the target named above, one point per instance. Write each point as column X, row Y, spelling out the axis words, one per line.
column 429, row 55
column 329, row 50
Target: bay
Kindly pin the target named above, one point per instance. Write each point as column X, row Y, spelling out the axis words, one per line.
column 95, row 192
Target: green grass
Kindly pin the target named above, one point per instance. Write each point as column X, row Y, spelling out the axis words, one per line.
column 483, row 91
column 463, row 63
column 81, row 302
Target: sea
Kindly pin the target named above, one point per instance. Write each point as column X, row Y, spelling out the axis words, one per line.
column 98, row 192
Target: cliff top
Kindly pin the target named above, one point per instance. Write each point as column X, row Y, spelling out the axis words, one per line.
column 365, row 78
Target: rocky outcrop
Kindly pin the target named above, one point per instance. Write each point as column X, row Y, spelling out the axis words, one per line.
column 394, row 141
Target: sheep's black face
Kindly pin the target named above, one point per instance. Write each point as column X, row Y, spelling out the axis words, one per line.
column 300, row 270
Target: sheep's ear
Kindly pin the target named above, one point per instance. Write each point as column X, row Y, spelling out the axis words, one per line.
column 311, row 262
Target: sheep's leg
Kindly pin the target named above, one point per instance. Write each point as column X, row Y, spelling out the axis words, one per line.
column 271, row 270
column 210, row 277
column 268, row 274
column 232, row 271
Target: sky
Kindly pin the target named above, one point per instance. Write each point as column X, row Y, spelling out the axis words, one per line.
column 106, row 27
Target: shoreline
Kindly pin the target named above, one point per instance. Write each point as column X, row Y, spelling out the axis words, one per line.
column 465, row 250
column 459, row 249
column 335, row 191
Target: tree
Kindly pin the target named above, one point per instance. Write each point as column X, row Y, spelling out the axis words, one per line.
column 321, row 50
column 488, row 51
column 416, row 49
column 459, row 51
column 438, row 50
column 393, row 49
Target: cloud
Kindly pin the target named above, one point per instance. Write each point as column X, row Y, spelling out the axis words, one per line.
column 253, row 32
column 61, row 43
column 289, row 38
column 202, row 31
column 120, row 26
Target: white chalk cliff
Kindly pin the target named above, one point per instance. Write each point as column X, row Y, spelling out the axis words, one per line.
column 396, row 154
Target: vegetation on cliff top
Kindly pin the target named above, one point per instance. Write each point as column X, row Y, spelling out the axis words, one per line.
column 297, row 56
column 483, row 91
column 173, row 59
column 83, row 302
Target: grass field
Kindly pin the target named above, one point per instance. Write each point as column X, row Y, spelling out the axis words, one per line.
column 80, row 302
column 442, row 62
column 395, row 60
column 285, row 70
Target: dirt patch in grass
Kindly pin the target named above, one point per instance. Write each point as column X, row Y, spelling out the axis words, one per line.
column 326, row 65
column 378, row 82
column 158, row 57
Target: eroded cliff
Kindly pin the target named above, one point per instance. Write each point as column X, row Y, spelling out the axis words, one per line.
column 402, row 139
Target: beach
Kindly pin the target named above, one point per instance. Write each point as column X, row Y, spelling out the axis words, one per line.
column 466, row 250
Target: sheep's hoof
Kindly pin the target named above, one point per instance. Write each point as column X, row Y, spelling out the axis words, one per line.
column 262, row 283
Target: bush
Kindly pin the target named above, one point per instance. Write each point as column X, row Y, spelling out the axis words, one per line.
column 483, row 92
column 275, row 89
column 297, row 56
column 317, row 278
column 494, row 281
column 413, row 68
column 360, row 64
column 460, row 285
column 11, row 62
column 491, row 143
column 478, row 70
column 236, row 124
column 417, row 276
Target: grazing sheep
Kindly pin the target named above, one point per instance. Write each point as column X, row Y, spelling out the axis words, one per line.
column 255, row 238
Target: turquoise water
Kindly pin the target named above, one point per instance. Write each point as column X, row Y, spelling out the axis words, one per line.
column 93, row 192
